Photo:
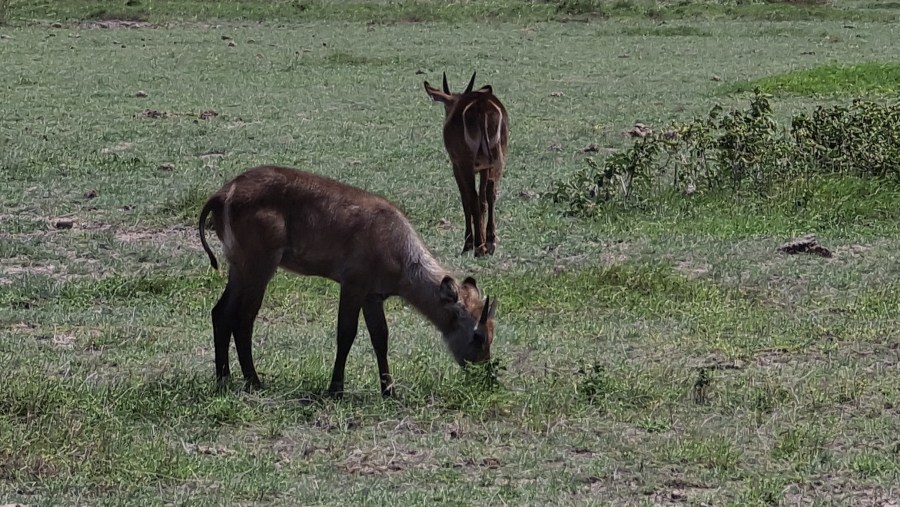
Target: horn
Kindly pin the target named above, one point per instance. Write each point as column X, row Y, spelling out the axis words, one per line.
column 471, row 82
column 446, row 88
column 485, row 311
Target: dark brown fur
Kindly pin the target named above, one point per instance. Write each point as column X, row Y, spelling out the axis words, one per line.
column 271, row 217
column 482, row 115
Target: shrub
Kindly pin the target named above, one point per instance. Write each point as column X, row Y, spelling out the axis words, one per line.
column 734, row 150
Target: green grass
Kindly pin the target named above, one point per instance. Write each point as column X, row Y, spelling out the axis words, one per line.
column 833, row 79
column 413, row 11
column 647, row 356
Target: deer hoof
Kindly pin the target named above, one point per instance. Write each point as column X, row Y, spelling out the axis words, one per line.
column 387, row 385
column 481, row 251
column 335, row 392
column 252, row 384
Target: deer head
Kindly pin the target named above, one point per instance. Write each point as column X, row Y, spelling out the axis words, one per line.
column 450, row 99
column 471, row 330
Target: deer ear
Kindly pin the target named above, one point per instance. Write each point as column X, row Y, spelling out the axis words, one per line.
column 492, row 309
column 436, row 95
column 486, row 89
column 470, row 281
column 448, row 292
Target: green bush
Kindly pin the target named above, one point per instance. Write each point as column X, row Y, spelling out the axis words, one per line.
column 740, row 150
column 863, row 138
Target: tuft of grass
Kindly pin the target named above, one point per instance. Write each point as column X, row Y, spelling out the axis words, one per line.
column 117, row 14
column 186, row 206
column 832, row 79
column 382, row 11
column 667, row 31
column 805, row 446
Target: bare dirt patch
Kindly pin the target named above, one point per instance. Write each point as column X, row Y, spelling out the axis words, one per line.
column 176, row 238
column 118, row 148
column 209, row 450
column 18, row 266
column 851, row 251
column 679, row 492
column 693, row 270
column 606, row 253
column 836, row 490
column 156, row 114
column 63, row 341
column 377, row 461
column 117, row 23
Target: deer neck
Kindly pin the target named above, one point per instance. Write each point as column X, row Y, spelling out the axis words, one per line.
column 421, row 289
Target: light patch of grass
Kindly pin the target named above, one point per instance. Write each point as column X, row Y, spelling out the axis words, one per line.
column 667, row 31
column 833, row 79
column 436, row 11
column 4, row 12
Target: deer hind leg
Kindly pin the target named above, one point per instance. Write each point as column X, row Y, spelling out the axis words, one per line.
column 483, row 247
column 465, row 181
column 347, row 325
column 491, row 227
column 253, row 282
column 373, row 312
column 224, row 320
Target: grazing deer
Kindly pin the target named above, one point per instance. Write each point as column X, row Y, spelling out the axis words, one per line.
column 271, row 217
column 476, row 129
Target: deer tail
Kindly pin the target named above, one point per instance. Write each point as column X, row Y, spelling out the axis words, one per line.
column 214, row 204
column 485, row 141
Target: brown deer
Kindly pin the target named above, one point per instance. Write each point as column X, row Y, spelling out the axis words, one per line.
column 476, row 130
column 271, row 217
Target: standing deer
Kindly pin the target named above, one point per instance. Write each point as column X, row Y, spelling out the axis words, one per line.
column 476, row 130
column 271, row 217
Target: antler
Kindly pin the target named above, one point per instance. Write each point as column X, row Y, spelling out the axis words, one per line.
column 471, row 82
column 446, row 88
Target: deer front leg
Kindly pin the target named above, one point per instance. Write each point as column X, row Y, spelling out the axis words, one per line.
column 373, row 312
column 348, row 322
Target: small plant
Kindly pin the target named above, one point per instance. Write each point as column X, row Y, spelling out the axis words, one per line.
column 767, row 398
column 806, row 447
column 701, row 385
column 573, row 7
column 607, row 389
column 484, row 376
column 596, row 382
column 654, row 424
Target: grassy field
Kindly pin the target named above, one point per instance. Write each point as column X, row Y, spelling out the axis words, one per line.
column 661, row 356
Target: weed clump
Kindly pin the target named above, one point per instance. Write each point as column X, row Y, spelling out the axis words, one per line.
column 738, row 150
